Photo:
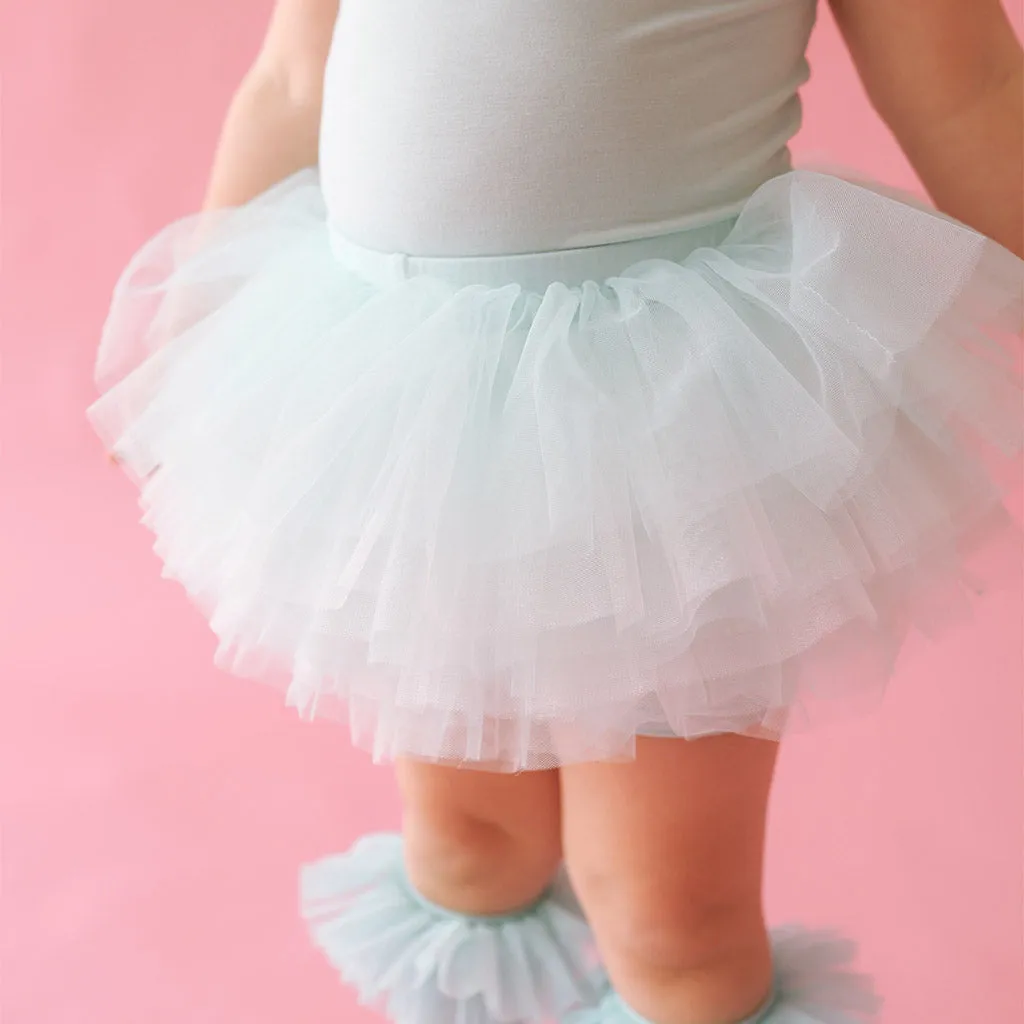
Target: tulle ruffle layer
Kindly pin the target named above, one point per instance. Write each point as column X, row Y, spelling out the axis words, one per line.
column 515, row 527
column 425, row 965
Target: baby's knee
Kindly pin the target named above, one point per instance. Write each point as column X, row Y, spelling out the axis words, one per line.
column 467, row 855
column 487, row 842
column 460, row 844
column 691, row 937
column 675, row 928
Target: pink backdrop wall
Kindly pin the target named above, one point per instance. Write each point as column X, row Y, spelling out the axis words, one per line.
column 155, row 811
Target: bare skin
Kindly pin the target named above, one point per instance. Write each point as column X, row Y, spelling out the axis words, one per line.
column 480, row 843
column 947, row 77
column 666, row 852
column 272, row 128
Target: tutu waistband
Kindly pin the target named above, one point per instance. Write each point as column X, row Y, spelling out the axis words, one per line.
column 533, row 271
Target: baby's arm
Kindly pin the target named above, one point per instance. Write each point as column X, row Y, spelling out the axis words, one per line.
column 272, row 128
column 946, row 76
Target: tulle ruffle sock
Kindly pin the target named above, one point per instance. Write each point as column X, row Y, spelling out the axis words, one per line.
column 422, row 964
column 813, row 985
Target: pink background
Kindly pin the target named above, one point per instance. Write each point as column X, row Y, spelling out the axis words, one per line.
column 155, row 811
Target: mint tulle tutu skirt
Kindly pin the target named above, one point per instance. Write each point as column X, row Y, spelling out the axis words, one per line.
column 515, row 511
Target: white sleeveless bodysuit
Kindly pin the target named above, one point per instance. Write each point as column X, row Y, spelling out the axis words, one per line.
column 472, row 127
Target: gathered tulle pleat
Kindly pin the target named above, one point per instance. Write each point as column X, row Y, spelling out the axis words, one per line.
column 516, row 527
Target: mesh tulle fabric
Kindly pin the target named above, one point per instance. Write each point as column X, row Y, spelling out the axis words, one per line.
column 515, row 528
column 424, row 965
column 814, row 984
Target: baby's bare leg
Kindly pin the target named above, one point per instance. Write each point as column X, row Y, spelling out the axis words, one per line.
column 476, row 842
column 666, row 856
